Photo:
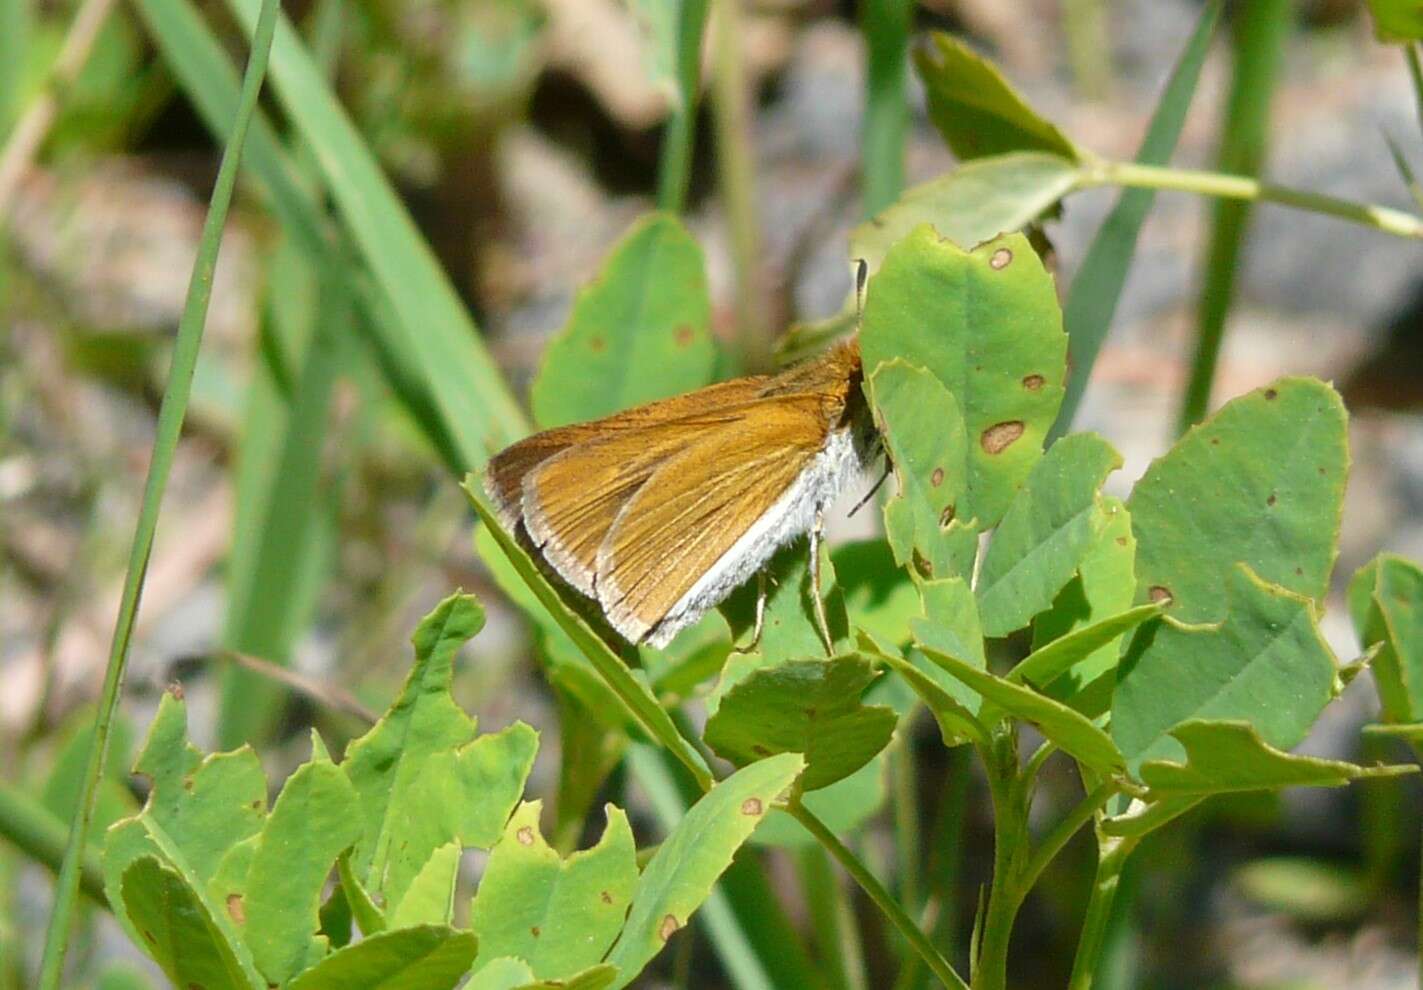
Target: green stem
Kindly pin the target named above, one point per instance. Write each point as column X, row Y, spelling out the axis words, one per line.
column 885, row 25
column 839, row 945
column 890, row 908
column 1112, row 854
column 903, row 775
column 37, row 833
column 1217, row 184
column 1084, row 26
column 1010, row 840
column 170, row 424
column 737, row 184
column 1063, row 832
column 675, row 167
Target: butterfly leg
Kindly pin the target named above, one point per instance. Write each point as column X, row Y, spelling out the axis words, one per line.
column 815, row 536
column 760, row 613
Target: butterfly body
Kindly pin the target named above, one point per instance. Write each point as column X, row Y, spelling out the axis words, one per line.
column 659, row 512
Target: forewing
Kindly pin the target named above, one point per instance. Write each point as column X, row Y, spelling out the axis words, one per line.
column 695, row 505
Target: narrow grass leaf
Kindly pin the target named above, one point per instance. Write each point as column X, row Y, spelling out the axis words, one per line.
column 1097, row 286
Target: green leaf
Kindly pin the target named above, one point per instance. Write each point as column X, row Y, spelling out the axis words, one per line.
column 459, row 795
column 1043, row 666
column 640, row 331
column 987, row 325
column 804, row 706
column 177, row 930
column 435, row 332
column 927, row 446
column 631, row 691
column 687, row 863
column 1228, row 756
column 1097, row 286
column 1044, row 535
column 509, row 973
column 1260, row 482
column 1397, row 21
column 843, row 806
column 879, row 597
column 383, row 764
column 976, row 110
column 315, row 819
column 1386, row 598
column 428, row 957
column 430, row 897
column 974, row 203
column 1070, row 731
column 957, row 723
column 950, row 624
column 560, row 916
column 1265, row 664
column 1105, row 587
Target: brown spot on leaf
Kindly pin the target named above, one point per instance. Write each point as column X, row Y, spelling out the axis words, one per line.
column 1033, row 382
column 684, row 335
column 235, row 910
column 668, row 928
column 1299, row 572
column 1271, row 499
column 1000, row 260
column 525, row 836
column 937, row 478
column 187, row 783
column 947, row 516
column 1121, row 541
column 760, row 750
column 257, row 805
column 176, row 690
column 534, row 931
column 1161, row 594
column 923, row 566
column 597, row 345
column 1215, row 441
column 607, row 897
column 149, row 935
column 1271, row 394
column 999, row 436
column 752, row 806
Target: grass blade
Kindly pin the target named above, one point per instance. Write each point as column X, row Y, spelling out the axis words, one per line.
column 885, row 24
column 1259, row 42
column 1097, row 286
column 471, row 394
column 165, row 442
column 675, row 167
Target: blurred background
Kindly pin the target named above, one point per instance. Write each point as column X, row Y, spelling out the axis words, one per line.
column 310, row 520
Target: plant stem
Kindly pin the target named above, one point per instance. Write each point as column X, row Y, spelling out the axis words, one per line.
column 32, row 128
column 1010, row 842
column 890, row 908
column 1112, row 854
column 1063, row 832
column 903, row 775
column 1084, row 23
column 885, row 25
column 825, row 898
column 1390, row 221
column 37, row 833
column 170, row 425
column 1259, row 41
column 675, row 166
column 736, row 181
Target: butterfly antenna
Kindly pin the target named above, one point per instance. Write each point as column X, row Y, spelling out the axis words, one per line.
column 871, row 493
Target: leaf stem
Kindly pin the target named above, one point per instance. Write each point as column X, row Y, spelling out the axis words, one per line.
column 1010, row 833
column 1063, row 832
column 1112, row 854
column 890, row 908
column 170, row 425
column 675, row 166
column 1390, row 221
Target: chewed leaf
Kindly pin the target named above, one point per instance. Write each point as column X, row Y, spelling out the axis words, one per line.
column 1262, row 483
column 178, row 931
column 641, row 331
column 1266, row 664
column 316, row 817
column 430, row 897
column 557, row 915
column 1046, row 533
column 1226, row 756
column 974, row 203
column 804, row 706
column 681, row 873
column 1386, row 598
column 427, row 957
column 927, row 445
column 986, row 323
column 383, row 764
column 975, row 108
